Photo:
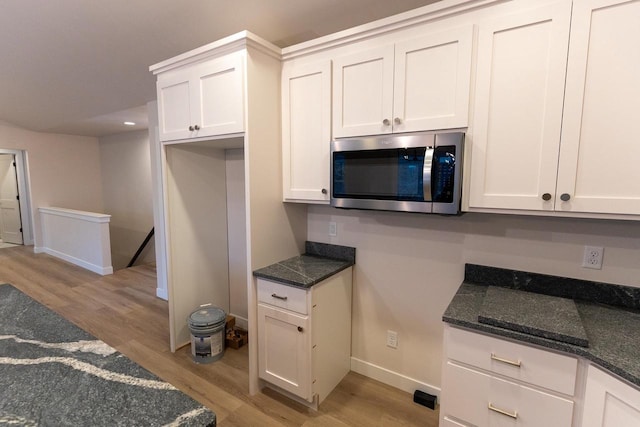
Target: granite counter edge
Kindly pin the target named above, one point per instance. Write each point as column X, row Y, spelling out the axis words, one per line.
column 307, row 284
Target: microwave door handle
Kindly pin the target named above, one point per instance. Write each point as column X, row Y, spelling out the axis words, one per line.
column 426, row 174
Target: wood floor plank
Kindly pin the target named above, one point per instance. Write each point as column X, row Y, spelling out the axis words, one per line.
column 122, row 310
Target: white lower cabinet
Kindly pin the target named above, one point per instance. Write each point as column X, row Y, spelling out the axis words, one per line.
column 304, row 336
column 488, row 381
column 610, row 402
column 285, row 349
column 448, row 422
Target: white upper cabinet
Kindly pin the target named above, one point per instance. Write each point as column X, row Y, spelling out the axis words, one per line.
column 363, row 93
column 205, row 99
column 599, row 154
column 541, row 143
column 419, row 84
column 431, row 84
column 306, row 131
column 518, row 108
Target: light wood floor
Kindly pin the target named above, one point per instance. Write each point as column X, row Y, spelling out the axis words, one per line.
column 123, row 311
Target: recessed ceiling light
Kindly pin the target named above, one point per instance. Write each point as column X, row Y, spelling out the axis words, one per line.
column 129, row 123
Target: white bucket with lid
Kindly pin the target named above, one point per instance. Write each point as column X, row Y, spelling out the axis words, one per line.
column 207, row 326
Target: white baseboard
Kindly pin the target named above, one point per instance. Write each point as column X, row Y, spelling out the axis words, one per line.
column 38, row 250
column 241, row 322
column 392, row 378
column 77, row 261
column 162, row 293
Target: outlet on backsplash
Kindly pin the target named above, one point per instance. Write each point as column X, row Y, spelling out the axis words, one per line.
column 333, row 229
column 593, row 257
column 392, row 339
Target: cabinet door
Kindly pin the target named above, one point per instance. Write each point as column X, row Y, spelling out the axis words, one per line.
column 363, row 93
column 518, row 108
column 609, row 402
column 599, row 151
column 174, row 105
column 306, row 132
column 284, row 350
column 218, row 96
column 431, row 81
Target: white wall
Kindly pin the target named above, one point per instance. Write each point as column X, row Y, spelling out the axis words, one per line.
column 63, row 170
column 127, row 195
column 237, row 235
column 197, row 245
column 409, row 266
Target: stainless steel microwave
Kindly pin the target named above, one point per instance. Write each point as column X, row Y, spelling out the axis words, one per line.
column 420, row 172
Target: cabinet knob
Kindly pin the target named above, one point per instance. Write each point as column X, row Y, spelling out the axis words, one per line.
column 300, row 329
column 191, row 128
column 323, row 191
column 565, row 197
column 546, row 197
column 386, row 122
column 397, row 121
column 197, row 127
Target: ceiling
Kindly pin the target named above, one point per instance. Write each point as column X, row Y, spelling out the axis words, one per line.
column 81, row 67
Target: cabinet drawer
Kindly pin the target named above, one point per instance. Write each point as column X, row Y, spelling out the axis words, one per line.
column 484, row 400
column 283, row 296
column 540, row 367
column 448, row 422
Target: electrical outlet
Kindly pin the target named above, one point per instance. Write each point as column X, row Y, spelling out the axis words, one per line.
column 593, row 257
column 392, row 339
column 333, row 229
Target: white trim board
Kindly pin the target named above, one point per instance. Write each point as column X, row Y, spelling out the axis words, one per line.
column 162, row 293
column 75, row 214
column 77, row 261
column 241, row 322
column 394, row 379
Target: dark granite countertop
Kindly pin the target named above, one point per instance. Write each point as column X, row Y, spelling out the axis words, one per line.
column 612, row 329
column 319, row 262
column 522, row 311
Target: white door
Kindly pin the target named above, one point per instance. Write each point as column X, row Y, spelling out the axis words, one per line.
column 306, row 132
column 598, row 170
column 363, row 93
column 609, row 402
column 217, row 101
column 518, row 108
column 174, row 106
column 432, row 76
column 10, row 223
column 284, row 350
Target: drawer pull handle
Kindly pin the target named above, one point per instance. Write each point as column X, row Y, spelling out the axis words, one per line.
column 513, row 414
column 278, row 297
column 507, row 361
